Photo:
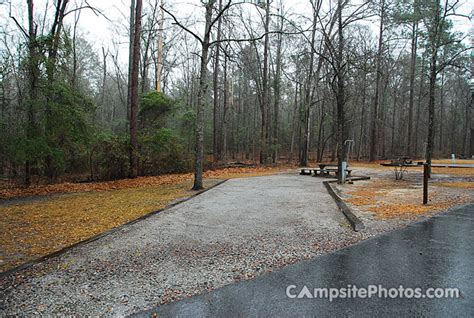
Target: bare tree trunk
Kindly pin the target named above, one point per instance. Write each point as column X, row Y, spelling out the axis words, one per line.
column 144, row 65
column 340, row 95
column 159, row 52
column 293, row 125
column 434, row 35
column 320, row 149
column 431, row 107
column 201, row 100
column 224, row 113
column 33, row 75
column 394, row 113
column 53, row 47
column 215, row 111
column 441, row 114
column 383, row 116
column 276, row 91
column 146, row 50
column 104, row 77
column 465, row 149
column 265, row 91
column 373, row 137
column 308, row 96
column 334, row 134
column 55, row 35
column 130, row 59
column 418, row 108
column 471, row 147
column 452, row 133
column 362, row 116
column 77, row 15
column 134, row 90
column 414, row 41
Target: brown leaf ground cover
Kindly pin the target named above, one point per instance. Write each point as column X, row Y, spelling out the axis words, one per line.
column 55, row 216
column 462, row 185
column 8, row 191
column 387, row 198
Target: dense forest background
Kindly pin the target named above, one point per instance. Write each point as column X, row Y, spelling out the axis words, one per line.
column 248, row 81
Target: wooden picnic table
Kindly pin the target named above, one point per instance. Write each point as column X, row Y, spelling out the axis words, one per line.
column 324, row 170
column 327, row 168
column 324, row 165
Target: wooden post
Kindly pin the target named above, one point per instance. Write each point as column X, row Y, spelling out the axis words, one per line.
column 426, row 173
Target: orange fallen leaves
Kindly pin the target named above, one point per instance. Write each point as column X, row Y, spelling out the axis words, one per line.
column 231, row 173
column 464, row 185
column 38, row 228
column 359, row 201
column 371, row 165
column 406, row 210
column 33, row 229
column 462, row 172
column 389, row 199
column 458, row 161
column 6, row 192
column 10, row 191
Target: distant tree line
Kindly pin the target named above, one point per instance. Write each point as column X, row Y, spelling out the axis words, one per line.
column 248, row 81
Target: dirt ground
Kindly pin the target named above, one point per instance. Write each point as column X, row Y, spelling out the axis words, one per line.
column 386, row 200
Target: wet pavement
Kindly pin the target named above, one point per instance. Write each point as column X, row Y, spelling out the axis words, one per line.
column 436, row 253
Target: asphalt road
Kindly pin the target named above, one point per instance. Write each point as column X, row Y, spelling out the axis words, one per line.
column 436, row 253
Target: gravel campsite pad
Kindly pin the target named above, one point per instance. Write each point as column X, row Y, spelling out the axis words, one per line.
column 235, row 231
